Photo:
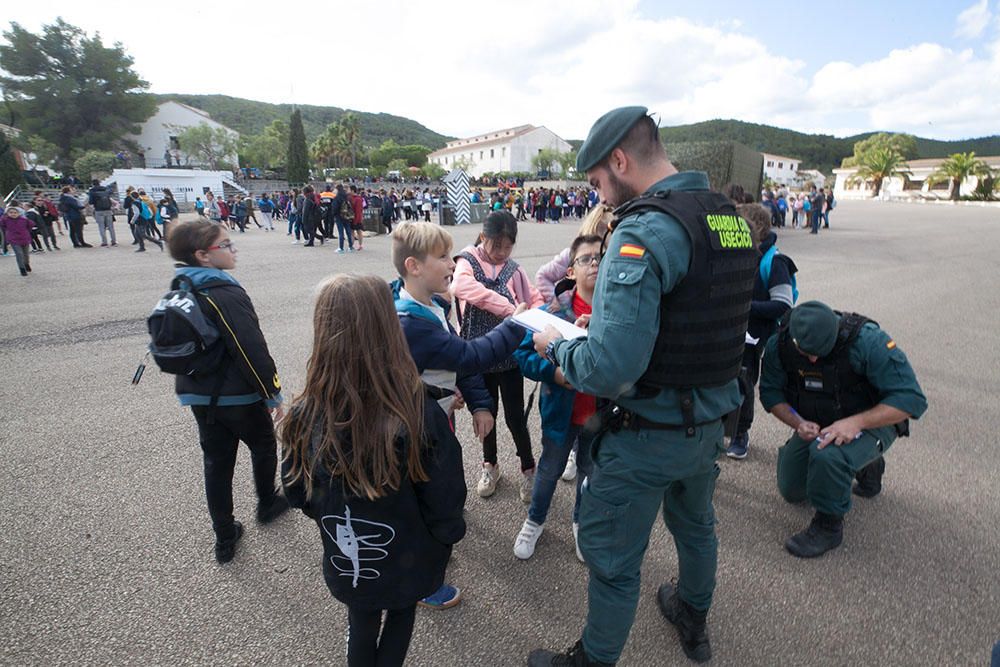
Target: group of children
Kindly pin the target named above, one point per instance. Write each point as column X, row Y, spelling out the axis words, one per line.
column 373, row 459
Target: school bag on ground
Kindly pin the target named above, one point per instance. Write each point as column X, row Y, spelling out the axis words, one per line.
column 183, row 339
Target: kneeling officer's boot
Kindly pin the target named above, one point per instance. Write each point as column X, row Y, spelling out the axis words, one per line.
column 690, row 623
column 825, row 532
column 870, row 479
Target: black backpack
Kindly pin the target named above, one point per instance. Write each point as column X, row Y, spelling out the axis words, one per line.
column 102, row 200
column 183, row 340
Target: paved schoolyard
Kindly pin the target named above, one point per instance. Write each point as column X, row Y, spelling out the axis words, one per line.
column 107, row 549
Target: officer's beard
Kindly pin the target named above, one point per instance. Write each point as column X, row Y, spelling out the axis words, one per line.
column 619, row 192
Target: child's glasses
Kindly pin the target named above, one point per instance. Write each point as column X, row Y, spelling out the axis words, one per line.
column 585, row 260
column 225, row 245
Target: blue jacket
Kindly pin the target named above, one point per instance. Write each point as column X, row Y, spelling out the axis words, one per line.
column 433, row 347
column 555, row 404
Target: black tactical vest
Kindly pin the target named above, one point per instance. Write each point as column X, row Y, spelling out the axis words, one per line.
column 703, row 320
column 829, row 389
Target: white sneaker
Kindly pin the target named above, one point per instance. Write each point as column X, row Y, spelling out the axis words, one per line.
column 524, row 546
column 576, row 541
column 527, row 485
column 488, row 481
column 569, row 473
column 295, row 242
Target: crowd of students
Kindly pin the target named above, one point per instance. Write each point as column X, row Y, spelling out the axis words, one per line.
column 373, row 458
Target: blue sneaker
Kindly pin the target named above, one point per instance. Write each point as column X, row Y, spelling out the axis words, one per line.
column 739, row 445
column 446, row 597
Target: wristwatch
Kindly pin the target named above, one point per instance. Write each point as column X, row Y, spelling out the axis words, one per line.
column 550, row 352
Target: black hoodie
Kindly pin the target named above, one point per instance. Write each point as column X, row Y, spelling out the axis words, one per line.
column 391, row 552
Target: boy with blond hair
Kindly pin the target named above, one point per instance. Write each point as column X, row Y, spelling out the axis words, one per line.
column 449, row 365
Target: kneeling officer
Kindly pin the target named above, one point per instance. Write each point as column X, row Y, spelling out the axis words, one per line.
column 848, row 391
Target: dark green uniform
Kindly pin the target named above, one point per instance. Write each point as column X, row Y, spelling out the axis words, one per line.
column 824, row 476
column 637, row 471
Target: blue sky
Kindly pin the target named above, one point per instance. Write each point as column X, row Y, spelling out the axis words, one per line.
column 464, row 67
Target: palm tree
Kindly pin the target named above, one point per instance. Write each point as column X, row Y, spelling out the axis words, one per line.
column 880, row 164
column 957, row 168
column 350, row 130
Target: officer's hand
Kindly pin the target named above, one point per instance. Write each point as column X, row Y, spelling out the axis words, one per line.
column 482, row 423
column 807, row 430
column 839, row 433
column 521, row 307
column 583, row 321
column 543, row 338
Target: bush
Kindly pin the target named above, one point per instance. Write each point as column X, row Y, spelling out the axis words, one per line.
column 94, row 164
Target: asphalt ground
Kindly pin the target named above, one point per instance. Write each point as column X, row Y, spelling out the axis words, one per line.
column 107, row 547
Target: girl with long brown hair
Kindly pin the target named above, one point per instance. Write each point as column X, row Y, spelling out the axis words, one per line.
column 376, row 466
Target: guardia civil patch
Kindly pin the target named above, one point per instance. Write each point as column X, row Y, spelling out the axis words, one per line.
column 891, row 345
column 630, row 250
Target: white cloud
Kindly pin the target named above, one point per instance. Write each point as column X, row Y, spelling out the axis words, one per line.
column 462, row 67
column 973, row 20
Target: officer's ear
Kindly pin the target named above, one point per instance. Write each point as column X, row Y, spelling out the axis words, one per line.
column 618, row 161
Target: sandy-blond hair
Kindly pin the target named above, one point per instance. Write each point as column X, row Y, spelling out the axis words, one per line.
column 418, row 240
column 597, row 221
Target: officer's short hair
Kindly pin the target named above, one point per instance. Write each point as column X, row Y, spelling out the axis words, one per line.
column 641, row 142
column 418, row 240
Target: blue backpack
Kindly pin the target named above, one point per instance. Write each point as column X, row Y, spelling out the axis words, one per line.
column 765, row 271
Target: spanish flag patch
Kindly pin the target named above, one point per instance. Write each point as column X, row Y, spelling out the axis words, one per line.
column 630, row 250
column 891, row 345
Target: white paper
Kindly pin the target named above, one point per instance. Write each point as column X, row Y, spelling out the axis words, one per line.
column 537, row 319
column 751, row 340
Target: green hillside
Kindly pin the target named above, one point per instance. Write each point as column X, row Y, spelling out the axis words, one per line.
column 817, row 151
column 250, row 117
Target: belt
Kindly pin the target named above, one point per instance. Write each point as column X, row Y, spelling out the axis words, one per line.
column 615, row 418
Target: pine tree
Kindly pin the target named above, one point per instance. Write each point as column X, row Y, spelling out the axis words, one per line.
column 298, row 155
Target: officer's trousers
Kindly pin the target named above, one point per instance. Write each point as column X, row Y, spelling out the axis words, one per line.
column 634, row 473
column 824, row 476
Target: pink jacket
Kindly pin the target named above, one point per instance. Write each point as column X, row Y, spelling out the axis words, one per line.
column 18, row 230
column 551, row 273
column 467, row 289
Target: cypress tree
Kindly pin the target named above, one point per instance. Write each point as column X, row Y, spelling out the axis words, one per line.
column 298, row 157
column 10, row 171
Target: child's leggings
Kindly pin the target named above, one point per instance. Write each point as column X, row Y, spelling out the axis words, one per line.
column 365, row 648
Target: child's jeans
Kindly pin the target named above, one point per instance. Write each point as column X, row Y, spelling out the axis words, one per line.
column 550, row 467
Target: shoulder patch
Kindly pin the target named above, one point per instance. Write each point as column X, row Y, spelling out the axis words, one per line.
column 631, row 250
column 891, row 345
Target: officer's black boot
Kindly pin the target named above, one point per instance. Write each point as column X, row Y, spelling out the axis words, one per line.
column 870, row 479
column 825, row 532
column 575, row 656
column 691, row 624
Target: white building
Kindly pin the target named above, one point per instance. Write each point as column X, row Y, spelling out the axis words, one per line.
column 781, row 169
column 914, row 186
column 506, row 150
column 159, row 133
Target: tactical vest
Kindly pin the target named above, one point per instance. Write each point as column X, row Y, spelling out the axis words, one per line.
column 703, row 320
column 829, row 389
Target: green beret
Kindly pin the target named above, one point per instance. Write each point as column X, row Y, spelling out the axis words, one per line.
column 607, row 133
column 813, row 327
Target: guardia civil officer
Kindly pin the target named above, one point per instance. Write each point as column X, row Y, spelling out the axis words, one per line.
column 848, row 392
column 665, row 344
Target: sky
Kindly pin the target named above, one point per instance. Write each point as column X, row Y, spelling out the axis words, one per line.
column 465, row 67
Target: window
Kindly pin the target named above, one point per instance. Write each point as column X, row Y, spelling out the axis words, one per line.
column 781, row 165
column 480, row 155
column 791, row 165
column 503, row 151
column 175, row 145
column 491, row 152
column 770, row 163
